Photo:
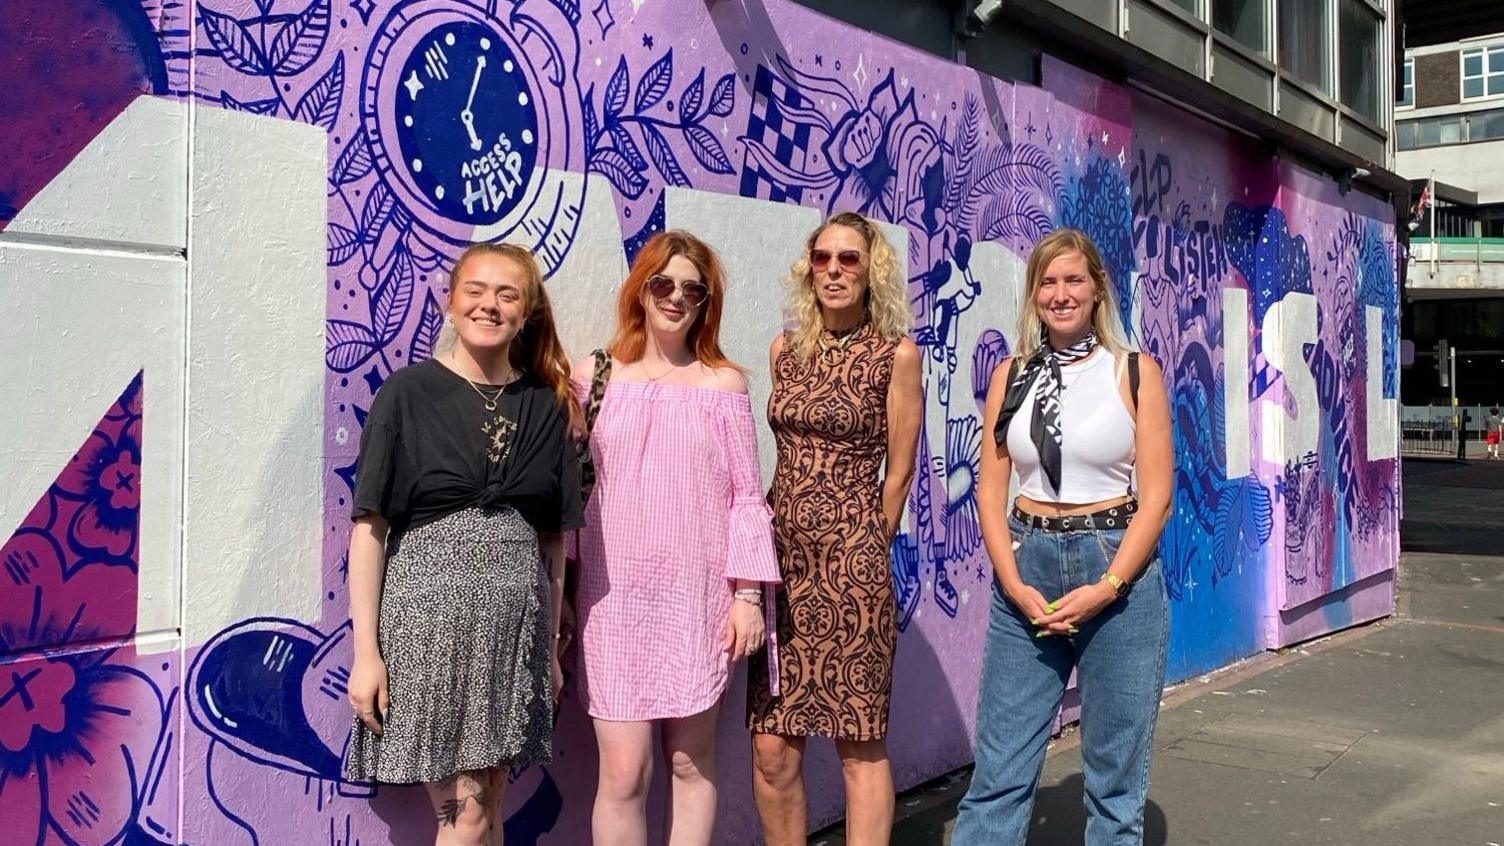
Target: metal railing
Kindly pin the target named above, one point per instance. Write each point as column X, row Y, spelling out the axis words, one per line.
column 1434, row 429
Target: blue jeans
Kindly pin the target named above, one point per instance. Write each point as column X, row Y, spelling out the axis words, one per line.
column 1119, row 656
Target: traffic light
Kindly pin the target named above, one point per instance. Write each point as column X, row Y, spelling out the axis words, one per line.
column 1444, row 363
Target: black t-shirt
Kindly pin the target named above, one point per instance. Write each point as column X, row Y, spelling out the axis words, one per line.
column 430, row 448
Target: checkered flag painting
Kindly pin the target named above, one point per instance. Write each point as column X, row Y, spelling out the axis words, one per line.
column 788, row 139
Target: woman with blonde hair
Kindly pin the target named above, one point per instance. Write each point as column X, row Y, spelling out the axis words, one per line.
column 679, row 545
column 846, row 401
column 1077, row 578
column 467, row 478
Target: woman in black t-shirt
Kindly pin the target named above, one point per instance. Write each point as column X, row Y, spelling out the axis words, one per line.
column 467, row 478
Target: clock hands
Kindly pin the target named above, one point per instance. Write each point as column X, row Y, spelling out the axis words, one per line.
column 467, row 117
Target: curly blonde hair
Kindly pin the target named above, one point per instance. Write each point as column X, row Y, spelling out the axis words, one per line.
column 887, row 287
column 1104, row 314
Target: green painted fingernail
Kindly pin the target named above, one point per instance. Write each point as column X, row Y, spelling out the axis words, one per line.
column 1044, row 633
column 1050, row 608
column 1034, row 621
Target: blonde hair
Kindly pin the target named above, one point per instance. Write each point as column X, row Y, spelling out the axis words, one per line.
column 887, row 287
column 1104, row 313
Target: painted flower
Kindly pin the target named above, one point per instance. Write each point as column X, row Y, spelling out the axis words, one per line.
column 77, row 727
column 104, row 481
column 885, row 157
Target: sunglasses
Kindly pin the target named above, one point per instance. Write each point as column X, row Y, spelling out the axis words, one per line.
column 820, row 259
column 662, row 287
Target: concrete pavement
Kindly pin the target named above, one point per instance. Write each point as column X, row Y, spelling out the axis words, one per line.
column 1387, row 735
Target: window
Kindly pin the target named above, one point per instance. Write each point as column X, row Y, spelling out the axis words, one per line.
column 1483, row 72
column 1304, row 40
column 1243, row 20
column 1358, row 57
column 1428, row 132
column 1486, row 126
column 1188, row 5
column 1407, row 90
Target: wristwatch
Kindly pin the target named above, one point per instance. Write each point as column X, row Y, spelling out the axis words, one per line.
column 1118, row 585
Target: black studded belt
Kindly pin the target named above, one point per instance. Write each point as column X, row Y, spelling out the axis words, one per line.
column 1116, row 517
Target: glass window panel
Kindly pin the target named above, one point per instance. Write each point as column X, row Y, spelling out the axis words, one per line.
column 1451, row 130
column 1496, row 60
column 1404, row 135
column 1188, row 5
column 1472, row 87
column 1304, row 40
column 1358, row 53
column 1427, row 133
column 1496, row 84
column 1243, row 20
column 1485, row 126
column 1472, row 63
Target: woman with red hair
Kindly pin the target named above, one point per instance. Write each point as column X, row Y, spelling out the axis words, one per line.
column 678, row 545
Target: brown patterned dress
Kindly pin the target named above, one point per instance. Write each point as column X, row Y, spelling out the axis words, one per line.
column 837, row 619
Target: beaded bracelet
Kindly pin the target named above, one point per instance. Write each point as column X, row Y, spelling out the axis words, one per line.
column 751, row 596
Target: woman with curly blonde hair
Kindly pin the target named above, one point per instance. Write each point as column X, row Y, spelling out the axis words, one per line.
column 846, row 402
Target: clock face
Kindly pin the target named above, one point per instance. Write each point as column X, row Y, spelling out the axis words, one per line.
column 467, row 123
column 473, row 120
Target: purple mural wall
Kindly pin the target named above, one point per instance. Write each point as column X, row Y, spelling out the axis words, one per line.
column 579, row 129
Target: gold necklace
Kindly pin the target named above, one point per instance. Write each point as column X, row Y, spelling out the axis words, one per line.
column 489, row 400
column 839, row 347
column 671, row 369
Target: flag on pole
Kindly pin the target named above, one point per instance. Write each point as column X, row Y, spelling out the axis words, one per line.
column 1426, row 200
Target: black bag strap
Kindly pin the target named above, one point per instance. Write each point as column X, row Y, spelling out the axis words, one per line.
column 1133, row 380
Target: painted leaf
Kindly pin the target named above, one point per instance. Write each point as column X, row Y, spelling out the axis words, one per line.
column 592, row 129
column 616, row 90
column 689, row 101
column 301, row 39
column 377, row 213
column 723, row 98
column 626, row 146
column 654, row 84
column 663, row 157
column 343, row 242
column 354, row 161
column 707, row 149
column 394, row 295
column 233, row 42
column 320, row 105
column 427, row 335
column 348, row 345
column 615, row 167
column 259, row 107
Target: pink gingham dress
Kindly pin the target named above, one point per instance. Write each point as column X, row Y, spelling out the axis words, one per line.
column 677, row 515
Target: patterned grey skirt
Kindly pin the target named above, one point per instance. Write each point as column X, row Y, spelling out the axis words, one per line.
column 464, row 630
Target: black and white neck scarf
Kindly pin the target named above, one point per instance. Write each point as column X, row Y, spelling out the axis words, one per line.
column 1045, row 366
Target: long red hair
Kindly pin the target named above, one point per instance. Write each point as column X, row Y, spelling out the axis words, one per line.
column 631, row 317
column 536, row 349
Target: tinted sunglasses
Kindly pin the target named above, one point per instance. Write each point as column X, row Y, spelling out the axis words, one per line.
column 820, row 259
column 662, row 287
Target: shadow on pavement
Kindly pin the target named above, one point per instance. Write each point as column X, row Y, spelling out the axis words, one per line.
column 1060, row 816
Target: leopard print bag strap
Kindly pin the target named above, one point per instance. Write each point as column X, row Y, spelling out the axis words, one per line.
column 598, row 380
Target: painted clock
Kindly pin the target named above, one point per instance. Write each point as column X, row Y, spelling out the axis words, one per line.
column 460, row 124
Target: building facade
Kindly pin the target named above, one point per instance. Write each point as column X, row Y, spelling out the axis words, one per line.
column 224, row 224
column 1449, row 139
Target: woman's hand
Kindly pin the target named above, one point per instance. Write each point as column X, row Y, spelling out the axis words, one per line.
column 1066, row 614
column 744, row 630
column 1028, row 600
column 368, row 691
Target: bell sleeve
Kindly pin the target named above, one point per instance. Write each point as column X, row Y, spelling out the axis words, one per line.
column 749, row 545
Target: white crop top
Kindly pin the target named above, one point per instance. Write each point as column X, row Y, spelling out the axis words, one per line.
column 1096, row 461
